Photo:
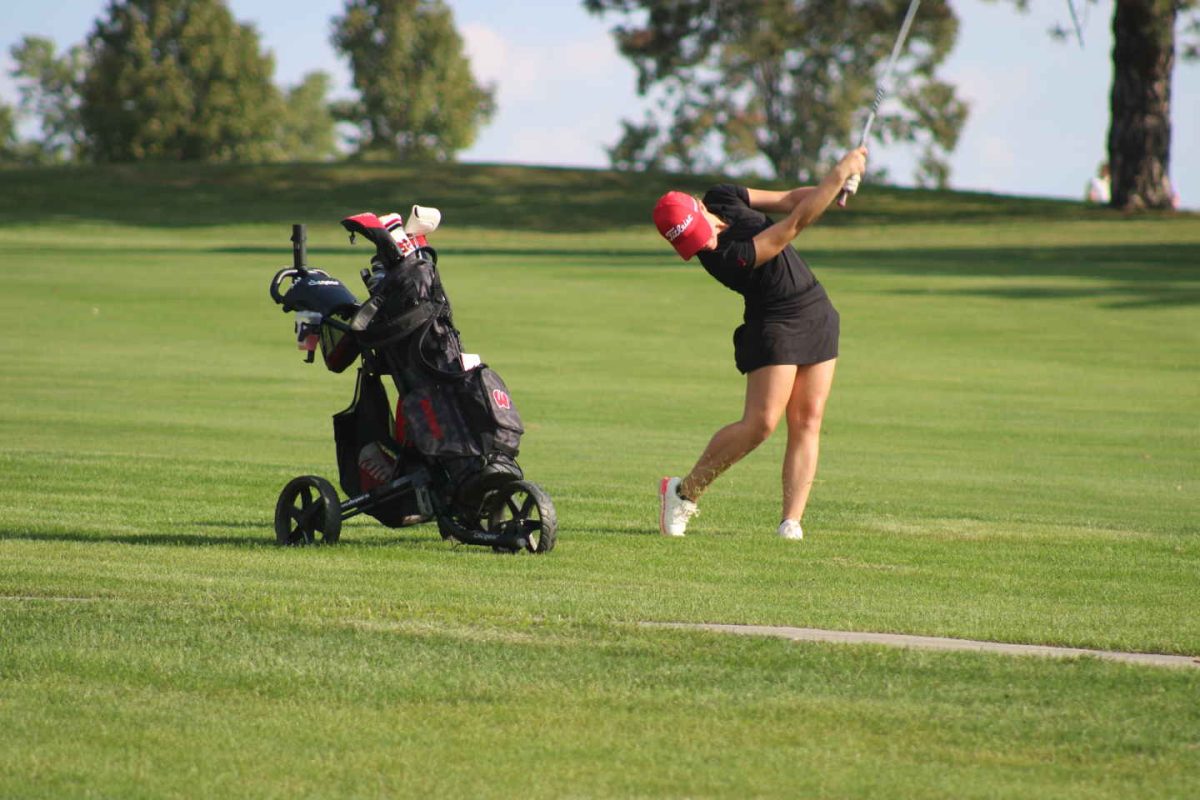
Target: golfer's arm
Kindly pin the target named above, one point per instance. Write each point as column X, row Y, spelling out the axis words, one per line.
column 778, row 202
column 810, row 205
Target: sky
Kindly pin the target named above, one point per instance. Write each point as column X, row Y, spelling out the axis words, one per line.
column 1039, row 107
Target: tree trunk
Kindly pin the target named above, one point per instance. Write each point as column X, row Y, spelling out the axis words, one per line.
column 1139, row 135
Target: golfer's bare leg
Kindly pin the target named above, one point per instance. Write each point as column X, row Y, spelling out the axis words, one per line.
column 767, row 393
column 805, row 410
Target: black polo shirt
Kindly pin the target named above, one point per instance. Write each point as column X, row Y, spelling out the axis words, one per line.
column 780, row 287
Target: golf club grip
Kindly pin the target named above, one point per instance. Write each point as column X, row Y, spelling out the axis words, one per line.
column 299, row 246
column 844, row 195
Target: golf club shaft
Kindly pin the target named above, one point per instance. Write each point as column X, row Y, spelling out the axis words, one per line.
column 880, row 89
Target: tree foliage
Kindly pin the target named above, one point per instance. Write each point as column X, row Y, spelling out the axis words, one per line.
column 306, row 125
column 9, row 143
column 48, row 83
column 178, row 80
column 417, row 97
column 790, row 80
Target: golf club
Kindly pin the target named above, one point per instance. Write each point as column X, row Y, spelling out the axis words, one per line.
column 881, row 91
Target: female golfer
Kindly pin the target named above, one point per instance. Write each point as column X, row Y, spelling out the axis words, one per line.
column 787, row 345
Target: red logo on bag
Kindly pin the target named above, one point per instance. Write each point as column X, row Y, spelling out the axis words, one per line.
column 435, row 430
column 501, row 399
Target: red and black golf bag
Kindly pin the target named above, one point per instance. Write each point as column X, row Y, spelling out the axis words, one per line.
column 448, row 451
column 457, row 414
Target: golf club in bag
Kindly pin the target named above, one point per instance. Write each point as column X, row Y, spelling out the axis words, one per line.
column 448, row 453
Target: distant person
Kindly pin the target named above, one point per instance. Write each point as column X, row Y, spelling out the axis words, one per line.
column 787, row 346
column 1099, row 189
column 1171, row 192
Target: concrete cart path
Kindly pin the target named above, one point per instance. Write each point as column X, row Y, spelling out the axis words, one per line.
column 932, row 643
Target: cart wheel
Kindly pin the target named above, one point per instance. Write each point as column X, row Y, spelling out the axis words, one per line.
column 308, row 506
column 523, row 508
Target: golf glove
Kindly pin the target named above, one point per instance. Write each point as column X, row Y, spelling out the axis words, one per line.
column 851, row 185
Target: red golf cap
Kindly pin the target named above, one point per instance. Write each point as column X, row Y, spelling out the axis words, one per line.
column 681, row 222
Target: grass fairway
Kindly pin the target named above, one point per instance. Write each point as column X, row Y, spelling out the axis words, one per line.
column 1010, row 454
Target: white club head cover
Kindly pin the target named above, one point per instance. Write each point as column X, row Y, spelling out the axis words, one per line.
column 392, row 222
column 423, row 220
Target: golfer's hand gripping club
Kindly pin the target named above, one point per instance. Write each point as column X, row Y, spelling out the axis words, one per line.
column 855, row 162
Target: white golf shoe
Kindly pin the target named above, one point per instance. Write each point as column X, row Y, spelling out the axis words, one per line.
column 674, row 511
column 790, row 529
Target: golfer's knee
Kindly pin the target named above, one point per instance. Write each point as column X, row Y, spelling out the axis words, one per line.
column 805, row 420
column 758, row 429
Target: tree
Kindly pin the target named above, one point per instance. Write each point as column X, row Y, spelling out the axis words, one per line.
column 49, row 87
column 306, row 126
column 417, row 96
column 9, row 143
column 1139, row 132
column 177, row 80
column 790, row 80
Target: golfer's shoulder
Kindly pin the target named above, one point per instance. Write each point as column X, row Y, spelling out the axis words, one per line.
column 725, row 194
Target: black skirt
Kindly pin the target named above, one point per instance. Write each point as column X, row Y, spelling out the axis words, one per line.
column 807, row 337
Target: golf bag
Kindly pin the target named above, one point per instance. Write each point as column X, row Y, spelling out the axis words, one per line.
column 449, row 450
column 460, row 416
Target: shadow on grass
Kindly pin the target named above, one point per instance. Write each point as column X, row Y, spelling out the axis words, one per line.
column 513, row 197
column 315, row 254
column 1134, row 276
column 1135, row 296
column 1162, row 272
column 161, row 539
column 266, row 540
column 527, row 199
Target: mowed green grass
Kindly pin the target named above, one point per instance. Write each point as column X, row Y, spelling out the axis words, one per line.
column 1010, row 453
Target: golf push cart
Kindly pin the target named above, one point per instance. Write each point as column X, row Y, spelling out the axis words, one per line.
column 448, row 454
